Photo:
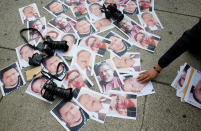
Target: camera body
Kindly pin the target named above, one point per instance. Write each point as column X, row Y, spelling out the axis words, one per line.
column 112, row 12
column 49, row 46
column 50, row 90
column 36, row 59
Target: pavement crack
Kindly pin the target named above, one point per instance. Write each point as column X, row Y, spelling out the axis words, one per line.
column 143, row 114
column 1, row 98
column 160, row 82
column 7, row 48
column 177, row 13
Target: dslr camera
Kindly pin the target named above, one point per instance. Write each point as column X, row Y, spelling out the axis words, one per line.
column 50, row 91
column 112, row 12
column 49, row 46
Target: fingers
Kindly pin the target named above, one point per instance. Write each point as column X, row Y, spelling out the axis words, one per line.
column 143, row 72
column 146, row 79
column 142, row 77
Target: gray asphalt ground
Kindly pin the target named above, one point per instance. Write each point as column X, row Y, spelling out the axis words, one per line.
column 162, row 111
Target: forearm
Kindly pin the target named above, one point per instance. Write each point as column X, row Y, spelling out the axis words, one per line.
column 190, row 40
column 175, row 51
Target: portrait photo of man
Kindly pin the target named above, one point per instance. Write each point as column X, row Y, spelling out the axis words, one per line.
column 56, row 7
column 146, row 41
column 107, row 76
column 96, row 44
column 127, row 62
column 73, row 2
column 95, row 104
column 29, row 13
column 51, row 64
column 36, row 86
column 71, row 116
column 128, row 26
column 63, row 23
column 39, row 24
column 52, row 33
column 83, row 27
column 95, row 11
column 146, row 5
column 76, row 80
column 150, row 21
column 79, row 10
column 196, row 92
column 24, row 52
column 131, row 84
column 11, row 79
column 72, row 41
column 131, row 8
column 103, row 24
column 118, row 45
column 108, row 2
column 84, row 59
column 123, row 105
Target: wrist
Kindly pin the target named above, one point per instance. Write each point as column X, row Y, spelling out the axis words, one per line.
column 157, row 68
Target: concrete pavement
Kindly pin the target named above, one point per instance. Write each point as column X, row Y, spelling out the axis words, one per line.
column 158, row 112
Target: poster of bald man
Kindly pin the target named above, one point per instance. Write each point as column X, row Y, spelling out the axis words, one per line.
column 94, row 103
column 62, row 22
column 70, row 115
column 95, row 12
column 55, row 7
column 76, row 80
column 128, row 26
column 55, row 65
column 129, row 62
column 39, row 24
column 123, row 105
column 150, row 21
column 118, row 46
column 146, row 5
column 145, row 40
column 131, row 84
column 72, row 41
column 83, row 27
column 84, row 59
column 11, row 78
column 29, row 13
column 35, row 88
column 97, row 44
column 24, row 52
column 107, row 76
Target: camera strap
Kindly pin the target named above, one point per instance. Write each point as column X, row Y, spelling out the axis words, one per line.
column 50, row 76
column 33, row 30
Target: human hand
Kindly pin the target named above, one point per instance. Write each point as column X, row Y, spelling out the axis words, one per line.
column 147, row 75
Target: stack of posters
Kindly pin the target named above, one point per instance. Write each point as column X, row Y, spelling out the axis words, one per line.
column 188, row 85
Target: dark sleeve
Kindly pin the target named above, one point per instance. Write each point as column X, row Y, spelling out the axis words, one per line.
column 189, row 41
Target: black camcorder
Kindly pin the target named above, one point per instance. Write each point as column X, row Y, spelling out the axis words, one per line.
column 111, row 11
column 50, row 91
